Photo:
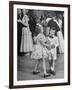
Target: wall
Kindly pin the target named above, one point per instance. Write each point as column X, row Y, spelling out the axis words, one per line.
column 4, row 44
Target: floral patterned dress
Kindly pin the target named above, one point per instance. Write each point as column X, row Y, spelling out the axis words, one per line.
column 40, row 51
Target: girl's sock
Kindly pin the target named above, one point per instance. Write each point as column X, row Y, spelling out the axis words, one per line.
column 37, row 65
column 52, row 68
column 44, row 66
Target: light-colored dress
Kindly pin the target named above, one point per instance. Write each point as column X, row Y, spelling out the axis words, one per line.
column 26, row 42
column 60, row 36
column 40, row 51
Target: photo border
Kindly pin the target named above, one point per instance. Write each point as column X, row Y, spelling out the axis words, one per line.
column 11, row 3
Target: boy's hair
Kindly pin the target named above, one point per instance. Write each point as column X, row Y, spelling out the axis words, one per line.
column 53, row 24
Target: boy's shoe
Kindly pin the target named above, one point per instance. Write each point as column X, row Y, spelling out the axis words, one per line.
column 47, row 75
column 36, row 72
column 52, row 72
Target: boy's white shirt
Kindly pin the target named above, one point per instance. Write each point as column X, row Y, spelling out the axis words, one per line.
column 53, row 51
column 54, row 40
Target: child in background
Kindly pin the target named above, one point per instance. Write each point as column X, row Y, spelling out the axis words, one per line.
column 53, row 52
column 40, row 52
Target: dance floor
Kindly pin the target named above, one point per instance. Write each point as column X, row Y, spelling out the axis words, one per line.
column 26, row 66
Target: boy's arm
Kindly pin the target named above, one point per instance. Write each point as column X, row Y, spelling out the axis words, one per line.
column 56, row 42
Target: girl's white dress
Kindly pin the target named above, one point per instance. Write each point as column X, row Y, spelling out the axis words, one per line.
column 40, row 51
column 26, row 42
column 60, row 36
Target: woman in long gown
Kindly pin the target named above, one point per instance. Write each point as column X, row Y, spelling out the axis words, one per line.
column 26, row 42
column 20, row 25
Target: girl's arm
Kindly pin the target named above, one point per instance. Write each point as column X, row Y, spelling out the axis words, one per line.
column 45, row 45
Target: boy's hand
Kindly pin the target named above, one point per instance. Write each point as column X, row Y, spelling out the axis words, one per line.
column 52, row 46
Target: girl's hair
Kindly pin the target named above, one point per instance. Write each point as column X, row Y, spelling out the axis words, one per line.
column 37, row 30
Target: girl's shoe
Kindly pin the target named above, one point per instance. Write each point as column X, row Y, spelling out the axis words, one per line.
column 36, row 72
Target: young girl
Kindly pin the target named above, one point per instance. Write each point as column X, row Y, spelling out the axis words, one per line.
column 40, row 52
column 53, row 45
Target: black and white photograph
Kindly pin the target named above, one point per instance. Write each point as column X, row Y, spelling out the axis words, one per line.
column 40, row 36
column 40, row 44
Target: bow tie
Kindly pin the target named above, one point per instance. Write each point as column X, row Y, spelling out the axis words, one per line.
column 51, row 37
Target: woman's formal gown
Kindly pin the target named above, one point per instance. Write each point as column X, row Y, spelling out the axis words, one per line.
column 60, row 36
column 19, row 32
column 26, row 41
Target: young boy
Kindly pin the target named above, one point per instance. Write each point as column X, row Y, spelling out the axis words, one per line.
column 53, row 52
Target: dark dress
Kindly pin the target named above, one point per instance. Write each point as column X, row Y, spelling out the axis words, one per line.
column 32, row 26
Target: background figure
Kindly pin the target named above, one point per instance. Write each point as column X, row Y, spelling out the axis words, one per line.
column 59, row 22
column 32, row 25
column 26, row 42
column 44, row 23
column 63, row 25
column 19, row 29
